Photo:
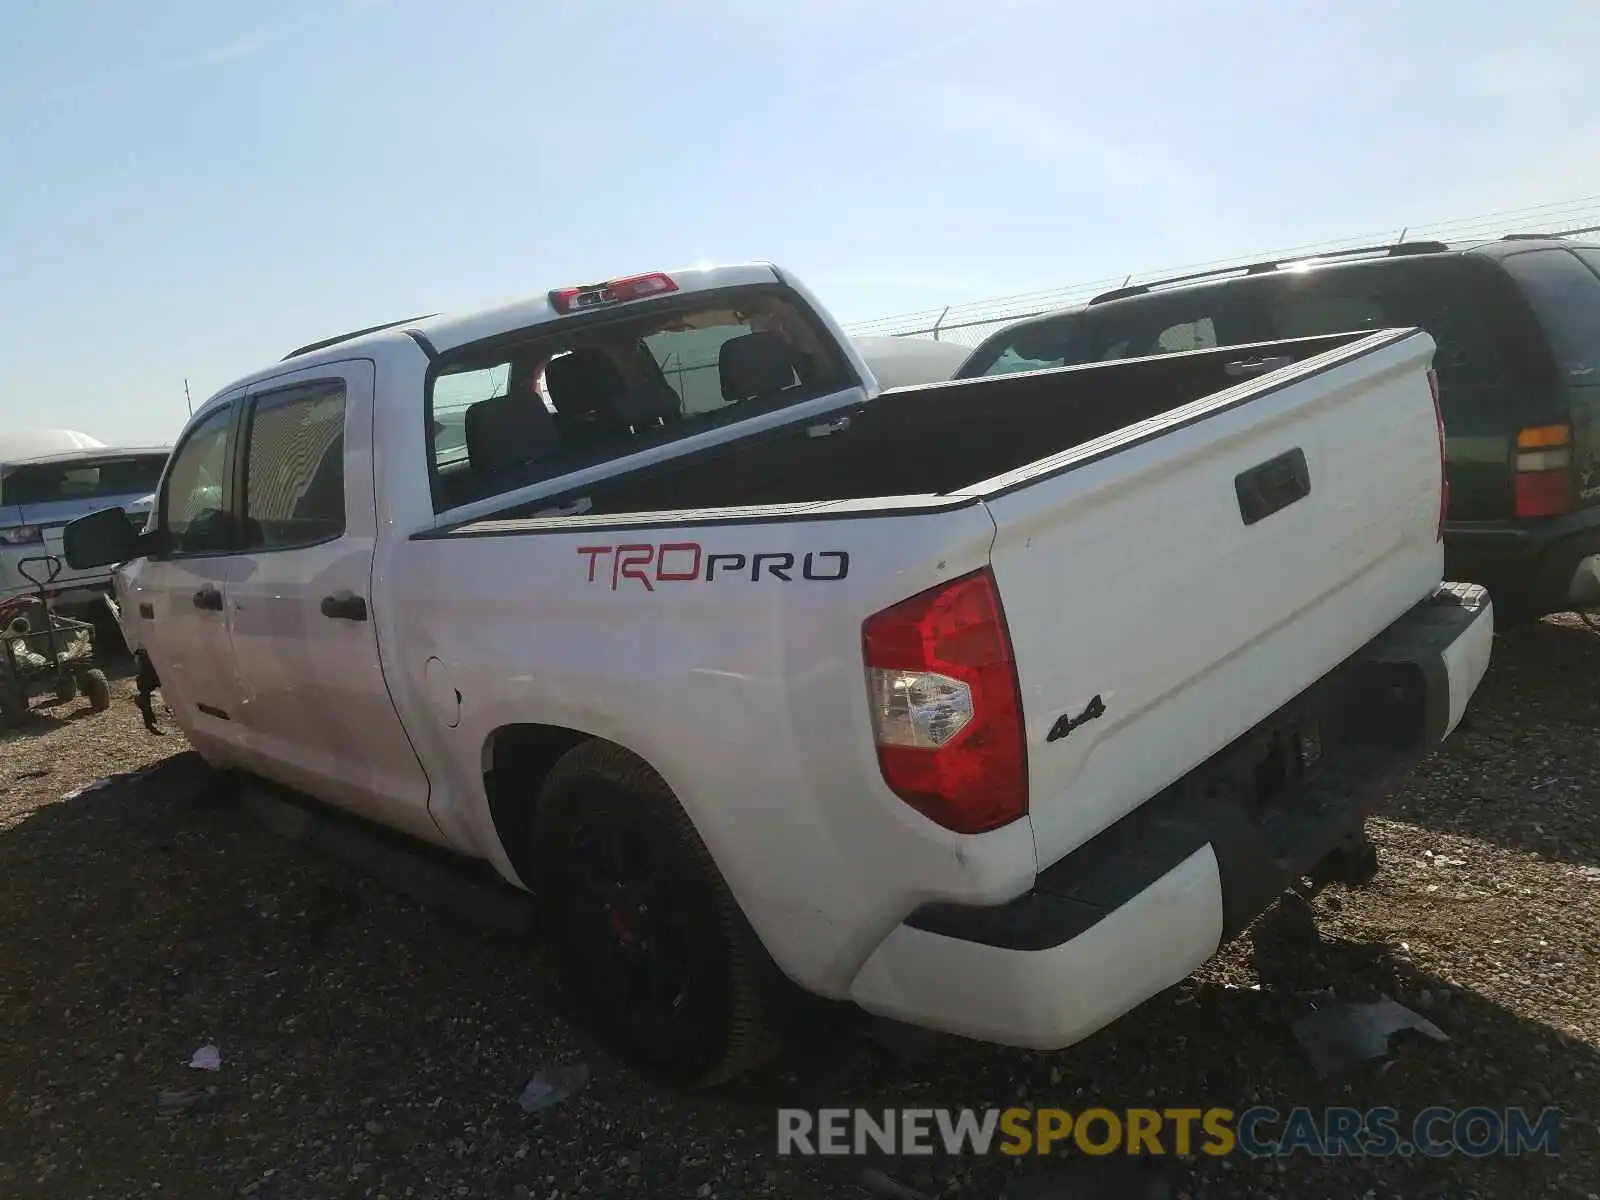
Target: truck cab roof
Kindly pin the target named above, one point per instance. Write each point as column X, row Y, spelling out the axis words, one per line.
column 443, row 332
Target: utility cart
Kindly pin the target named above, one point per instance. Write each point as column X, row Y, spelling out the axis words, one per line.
column 45, row 654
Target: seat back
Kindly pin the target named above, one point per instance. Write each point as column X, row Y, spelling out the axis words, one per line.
column 508, row 431
column 586, row 387
column 756, row 364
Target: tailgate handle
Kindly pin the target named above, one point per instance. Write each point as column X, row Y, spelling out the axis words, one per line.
column 1272, row 486
column 1256, row 366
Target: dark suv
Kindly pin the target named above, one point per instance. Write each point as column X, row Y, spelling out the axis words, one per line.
column 1517, row 323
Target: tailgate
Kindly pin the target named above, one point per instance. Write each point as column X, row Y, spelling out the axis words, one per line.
column 1169, row 586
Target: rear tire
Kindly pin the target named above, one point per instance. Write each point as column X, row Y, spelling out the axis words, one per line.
column 67, row 688
column 652, row 952
column 96, row 689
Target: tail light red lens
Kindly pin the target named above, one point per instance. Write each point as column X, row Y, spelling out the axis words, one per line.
column 946, row 707
column 1543, row 493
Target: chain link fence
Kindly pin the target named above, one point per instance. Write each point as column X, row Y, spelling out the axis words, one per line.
column 968, row 324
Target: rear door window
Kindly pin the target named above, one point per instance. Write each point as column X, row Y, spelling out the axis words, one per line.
column 1566, row 295
column 294, row 467
column 1197, row 318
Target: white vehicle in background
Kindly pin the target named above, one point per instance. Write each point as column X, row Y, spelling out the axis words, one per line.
column 993, row 706
column 51, row 476
column 908, row 361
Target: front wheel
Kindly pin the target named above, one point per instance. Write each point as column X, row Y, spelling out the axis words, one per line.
column 651, row 949
column 96, row 689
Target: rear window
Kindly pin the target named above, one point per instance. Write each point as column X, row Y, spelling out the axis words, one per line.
column 1566, row 295
column 581, row 391
column 105, row 478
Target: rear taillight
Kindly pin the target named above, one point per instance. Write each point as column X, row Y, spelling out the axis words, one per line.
column 1444, row 471
column 21, row 535
column 946, row 711
column 1542, row 477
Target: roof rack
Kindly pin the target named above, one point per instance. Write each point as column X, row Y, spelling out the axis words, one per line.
column 355, row 333
column 1548, row 237
column 1395, row 250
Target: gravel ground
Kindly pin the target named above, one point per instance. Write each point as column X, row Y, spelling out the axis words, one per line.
column 373, row 1048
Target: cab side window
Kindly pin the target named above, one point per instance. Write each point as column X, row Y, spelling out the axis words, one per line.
column 191, row 508
column 294, row 467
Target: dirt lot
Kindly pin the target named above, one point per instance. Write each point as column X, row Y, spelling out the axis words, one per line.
column 373, row 1048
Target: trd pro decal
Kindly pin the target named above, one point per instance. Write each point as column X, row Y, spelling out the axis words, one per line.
column 688, row 562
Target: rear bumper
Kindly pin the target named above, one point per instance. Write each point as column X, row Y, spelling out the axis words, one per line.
column 1533, row 567
column 1141, row 905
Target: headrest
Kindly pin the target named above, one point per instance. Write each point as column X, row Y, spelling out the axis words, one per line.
column 507, row 431
column 756, row 364
column 585, row 381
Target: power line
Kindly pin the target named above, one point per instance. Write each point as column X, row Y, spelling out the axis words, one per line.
column 1572, row 216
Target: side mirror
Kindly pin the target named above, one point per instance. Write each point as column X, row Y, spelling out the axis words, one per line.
column 101, row 539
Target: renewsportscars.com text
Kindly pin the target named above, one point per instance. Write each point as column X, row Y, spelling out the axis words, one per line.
column 1259, row 1132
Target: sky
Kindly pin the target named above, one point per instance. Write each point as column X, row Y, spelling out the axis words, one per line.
column 190, row 188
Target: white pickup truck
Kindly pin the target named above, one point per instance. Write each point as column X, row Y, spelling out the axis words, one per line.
column 991, row 706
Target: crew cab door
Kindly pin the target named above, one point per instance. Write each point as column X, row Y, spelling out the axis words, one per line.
column 315, row 708
column 180, row 595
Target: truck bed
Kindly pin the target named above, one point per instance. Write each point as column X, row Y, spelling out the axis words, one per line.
column 937, row 439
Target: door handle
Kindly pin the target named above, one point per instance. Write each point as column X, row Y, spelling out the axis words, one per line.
column 208, row 598
column 344, row 607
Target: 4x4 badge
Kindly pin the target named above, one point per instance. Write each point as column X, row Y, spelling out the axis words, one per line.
column 1065, row 724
